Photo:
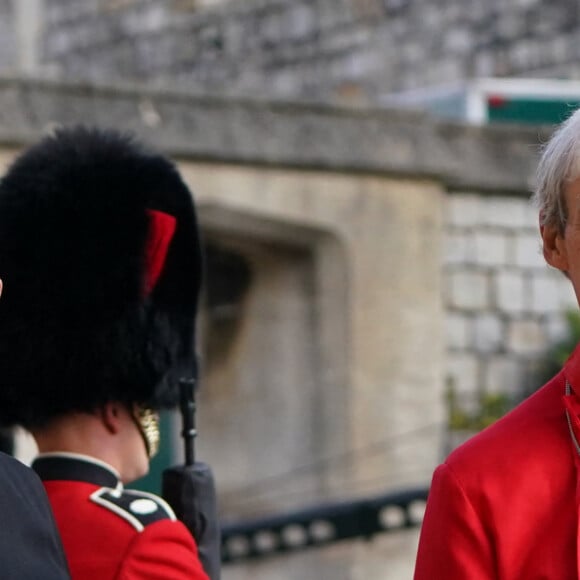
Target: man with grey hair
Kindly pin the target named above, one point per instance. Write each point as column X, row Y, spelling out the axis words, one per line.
column 505, row 505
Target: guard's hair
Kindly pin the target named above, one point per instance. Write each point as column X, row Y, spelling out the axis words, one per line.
column 76, row 330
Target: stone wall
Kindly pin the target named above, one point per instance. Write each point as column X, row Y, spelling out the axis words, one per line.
column 351, row 50
column 8, row 40
column 504, row 305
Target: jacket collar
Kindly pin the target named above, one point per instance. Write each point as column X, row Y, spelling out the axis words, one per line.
column 571, row 399
column 76, row 467
column 572, row 369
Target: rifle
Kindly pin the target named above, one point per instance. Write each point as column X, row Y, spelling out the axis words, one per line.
column 190, row 489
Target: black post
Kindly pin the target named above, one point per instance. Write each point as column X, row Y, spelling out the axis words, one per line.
column 188, row 409
column 190, row 489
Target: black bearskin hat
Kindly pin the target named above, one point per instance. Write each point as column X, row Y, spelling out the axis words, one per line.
column 101, row 263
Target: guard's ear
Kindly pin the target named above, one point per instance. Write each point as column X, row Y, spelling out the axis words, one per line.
column 554, row 247
column 1, row 287
column 111, row 416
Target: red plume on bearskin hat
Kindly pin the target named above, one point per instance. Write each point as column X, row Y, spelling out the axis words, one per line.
column 101, row 262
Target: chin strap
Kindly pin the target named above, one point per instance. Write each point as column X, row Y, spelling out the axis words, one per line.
column 148, row 422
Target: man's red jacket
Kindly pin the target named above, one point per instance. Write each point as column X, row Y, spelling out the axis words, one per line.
column 505, row 505
column 110, row 533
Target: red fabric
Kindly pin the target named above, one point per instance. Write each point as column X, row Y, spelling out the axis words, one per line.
column 161, row 230
column 504, row 505
column 100, row 545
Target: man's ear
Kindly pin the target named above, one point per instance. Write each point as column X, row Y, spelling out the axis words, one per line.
column 554, row 248
column 111, row 416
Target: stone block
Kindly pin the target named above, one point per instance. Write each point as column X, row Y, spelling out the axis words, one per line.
column 490, row 248
column 547, row 294
column 458, row 248
column 484, row 63
column 468, row 290
column 149, row 19
column 503, row 374
column 301, row 21
column 458, row 41
column 504, row 212
column 511, row 25
column 394, row 6
column 272, row 27
column 560, row 48
column 8, row 47
column 360, row 62
column 509, row 291
column 432, row 17
column 462, row 371
column 413, row 52
column 488, row 333
column 340, row 41
column 528, row 251
column 449, row 69
column 568, row 300
column 531, row 217
column 556, row 328
column 527, row 3
column 522, row 54
column 458, row 330
column 526, row 337
column 464, row 210
column 6, row 9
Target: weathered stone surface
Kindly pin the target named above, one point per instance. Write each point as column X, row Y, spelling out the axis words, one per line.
column 490, row 248
column 468, row 290
column 526, row 337
column 510, row 292
column 8, row 40
column 280, row 133
column 464, row 210
column 458, row 248
column 458, row 331
column 503, row 374
column 505, row 212
column 522, row 287
column 488, row 333
column 463, row 372
column 528, row 251
column 347, row 50
column 547, row 292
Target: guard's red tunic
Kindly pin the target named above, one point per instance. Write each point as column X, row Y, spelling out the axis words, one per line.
column 505, row 505
column 111, row 533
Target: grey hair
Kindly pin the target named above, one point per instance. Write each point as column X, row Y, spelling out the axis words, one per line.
column 559, row 164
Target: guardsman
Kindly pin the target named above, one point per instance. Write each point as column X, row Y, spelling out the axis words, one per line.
column 102, row 267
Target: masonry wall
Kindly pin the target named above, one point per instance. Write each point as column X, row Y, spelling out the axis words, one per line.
column 8, row 40
column 504, row 305
column 350, row 50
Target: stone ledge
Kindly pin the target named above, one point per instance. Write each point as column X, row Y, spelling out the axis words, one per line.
column 227, row 129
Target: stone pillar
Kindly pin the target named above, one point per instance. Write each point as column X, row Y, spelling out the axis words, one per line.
column 28, row 18
column 341, row 352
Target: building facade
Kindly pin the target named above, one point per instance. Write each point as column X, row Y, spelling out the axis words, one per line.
column 360, row 261
column 356, row 263
column 353, row 51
